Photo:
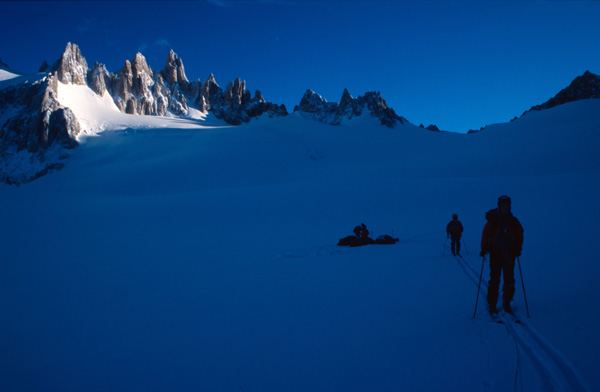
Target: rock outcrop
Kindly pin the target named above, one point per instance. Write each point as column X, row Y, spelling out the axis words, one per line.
column 137, row 89
column 44, row 67
column 39, row 125
column 71, row 67
column 4, row 66
column 174, row 72
column 585, row 86
column 99, row 79
column 431, row 127
column 40, row 120
column 314, row 106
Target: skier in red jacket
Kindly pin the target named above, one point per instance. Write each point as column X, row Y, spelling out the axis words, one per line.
column 502, row 238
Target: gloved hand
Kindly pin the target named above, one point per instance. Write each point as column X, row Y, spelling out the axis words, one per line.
column 484, row 249
column 518, row 253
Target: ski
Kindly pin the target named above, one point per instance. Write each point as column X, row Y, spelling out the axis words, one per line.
column 512, row 317
column 496, row 317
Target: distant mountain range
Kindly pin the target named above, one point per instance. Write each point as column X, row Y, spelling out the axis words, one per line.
column 34, row 125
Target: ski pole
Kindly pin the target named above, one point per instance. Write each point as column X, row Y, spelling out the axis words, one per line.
column 523, row 284
column 479, row 286
column 465, row 244
column 445, row 246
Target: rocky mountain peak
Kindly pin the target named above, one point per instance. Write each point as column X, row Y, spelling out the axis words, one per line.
column 211, row 79
column 174, row 71
column 258, row 97
column 235, row 92
column 71, row 67
column 314, row 106
column 346, row 98
column 585, row 86
column 44, row 67
column 140, row 65
column 312, row 102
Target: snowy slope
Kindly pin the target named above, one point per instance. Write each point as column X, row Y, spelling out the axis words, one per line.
column 6, row 75
column 8, row 78
column 97, row 113
column 173, row 255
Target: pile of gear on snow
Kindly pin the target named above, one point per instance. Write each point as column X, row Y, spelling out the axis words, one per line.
column 361, row 237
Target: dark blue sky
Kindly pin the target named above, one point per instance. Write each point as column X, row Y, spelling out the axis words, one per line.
column 457, row 64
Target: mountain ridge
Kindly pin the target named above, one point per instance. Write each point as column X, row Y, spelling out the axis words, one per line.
column 38, row 129
column 586, row 86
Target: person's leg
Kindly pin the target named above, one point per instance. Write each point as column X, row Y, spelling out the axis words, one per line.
column 494, row 282
column 508, row 289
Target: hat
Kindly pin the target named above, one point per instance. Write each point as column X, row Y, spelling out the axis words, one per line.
column 504, row 199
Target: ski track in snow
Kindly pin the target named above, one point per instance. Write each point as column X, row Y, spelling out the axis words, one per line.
column 554, row 372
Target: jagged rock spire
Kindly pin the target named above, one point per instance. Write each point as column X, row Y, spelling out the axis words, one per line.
column 44, row 67
column 174, row 71
column 346, row 98
column 258, row 97
column 235, row 92
column 99, row 78
column 139, row 64
column 71, row 67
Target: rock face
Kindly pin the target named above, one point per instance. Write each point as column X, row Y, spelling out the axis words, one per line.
column 44, row 67
column 314, row 106
column 99, row 79
column 40, row 119
column 585, row 86
column 174, row 72
column 71, row 67
column 137, row 89
column 39, row 131
column 431, row 127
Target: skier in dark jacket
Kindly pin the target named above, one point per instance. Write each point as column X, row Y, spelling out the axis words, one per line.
column 502, row 238
column 454, row 231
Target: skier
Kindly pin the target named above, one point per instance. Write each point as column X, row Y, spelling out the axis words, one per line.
column 454, row 231
column 502, row 238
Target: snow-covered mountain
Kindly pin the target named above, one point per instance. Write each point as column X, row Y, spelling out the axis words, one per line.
column 136, row 89
column 5, row 72
column 40, row 125
column 37, row 130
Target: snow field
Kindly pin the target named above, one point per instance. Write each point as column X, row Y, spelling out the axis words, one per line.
column 204, row 258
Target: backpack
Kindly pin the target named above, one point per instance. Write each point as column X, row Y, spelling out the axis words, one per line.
column 502, row 240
